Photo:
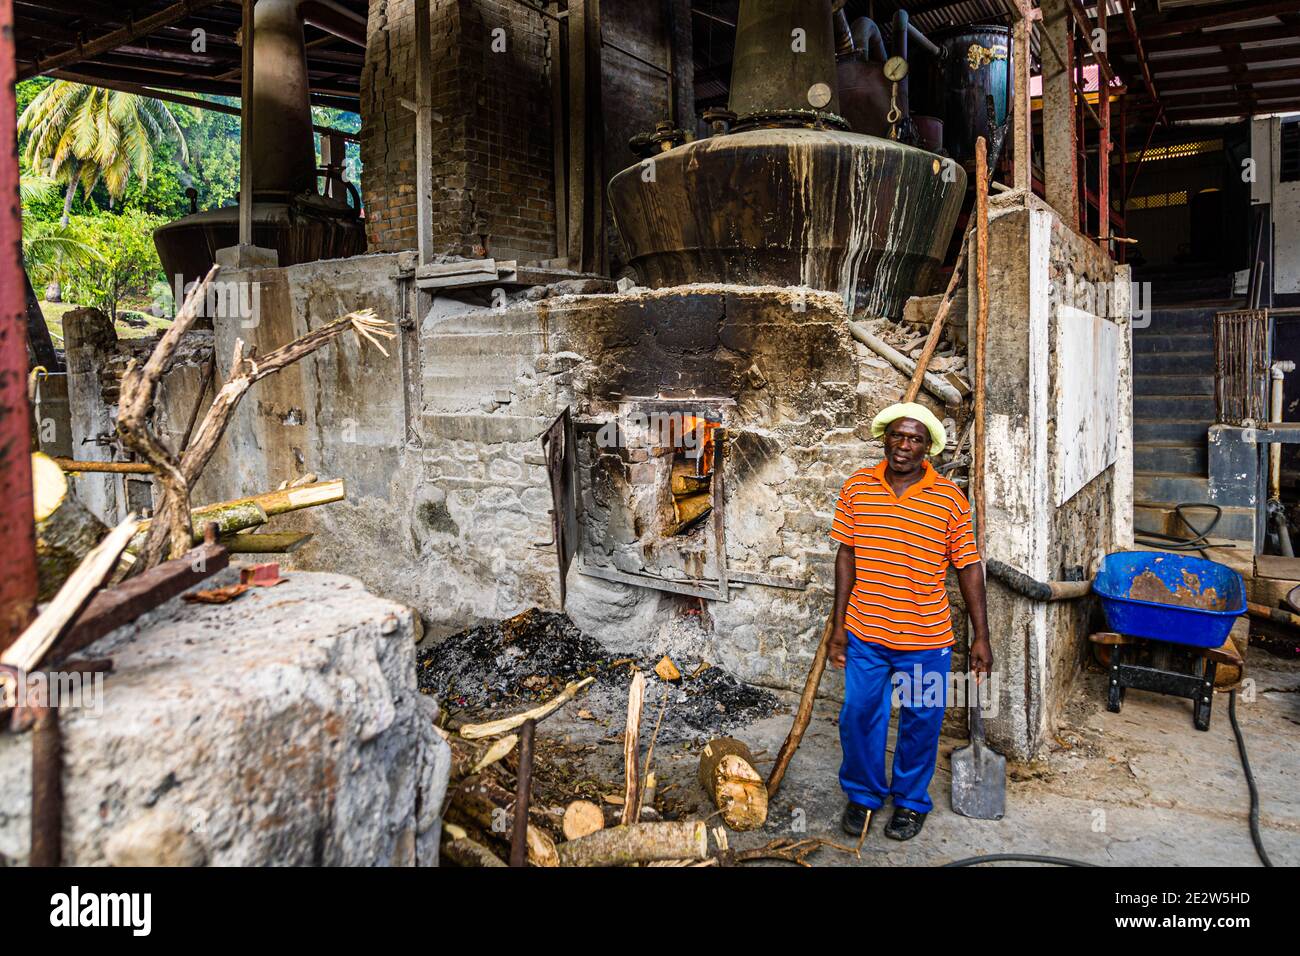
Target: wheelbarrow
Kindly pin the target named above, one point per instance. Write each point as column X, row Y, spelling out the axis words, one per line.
column 1172, row 633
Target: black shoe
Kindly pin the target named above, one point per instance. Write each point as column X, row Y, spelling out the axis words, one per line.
column 856, row 818
column 905, row 824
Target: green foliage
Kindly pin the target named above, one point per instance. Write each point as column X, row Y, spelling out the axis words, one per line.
column 88, row 135
column 126, row 264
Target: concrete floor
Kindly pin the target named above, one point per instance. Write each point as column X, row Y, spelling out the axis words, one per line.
column 1138, row 788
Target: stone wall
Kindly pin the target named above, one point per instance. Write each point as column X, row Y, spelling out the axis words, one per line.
column 282, row 729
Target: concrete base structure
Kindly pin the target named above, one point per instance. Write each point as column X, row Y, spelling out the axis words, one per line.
column 448, row 503
column 284, row 728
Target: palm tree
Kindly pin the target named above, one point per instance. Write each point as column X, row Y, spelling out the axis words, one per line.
column 49, row 248
column 80, row 134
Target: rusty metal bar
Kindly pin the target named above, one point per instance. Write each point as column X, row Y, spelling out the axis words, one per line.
column 17, row 527
column 47, row 786
column 1131, row 23
column 523, row 794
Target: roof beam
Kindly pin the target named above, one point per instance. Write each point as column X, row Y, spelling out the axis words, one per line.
column 115, row 38
column 1217, row 38
column 1233, row 77
column 1239, row 14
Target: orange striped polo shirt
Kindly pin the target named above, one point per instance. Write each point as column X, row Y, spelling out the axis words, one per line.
column 902, row 547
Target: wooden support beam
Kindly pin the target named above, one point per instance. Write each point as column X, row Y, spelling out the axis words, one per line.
column 246, row 129
column 1175, row 26
column 423, row 132
column 1131, row 24
column 1060, row 156
column 1103, row 150
column 169, row 97
column 116, row 38
column 1022, row 147
column 17, row 527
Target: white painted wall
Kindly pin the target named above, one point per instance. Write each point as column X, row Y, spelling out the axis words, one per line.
column 1265, row 149
column 1087, row 399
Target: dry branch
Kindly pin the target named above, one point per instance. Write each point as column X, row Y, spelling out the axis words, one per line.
column 632, row 751
column 804, row 713
column 507, row 724
column 139, row 385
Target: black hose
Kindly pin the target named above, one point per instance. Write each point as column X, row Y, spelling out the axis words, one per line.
column 1063, row 861
column 1017, row 858
column 1250, row 781
column 1172, row 542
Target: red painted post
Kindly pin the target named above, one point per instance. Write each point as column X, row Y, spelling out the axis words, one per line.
column 17, row 529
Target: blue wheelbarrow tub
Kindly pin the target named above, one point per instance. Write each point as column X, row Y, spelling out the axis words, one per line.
column 1197, row 627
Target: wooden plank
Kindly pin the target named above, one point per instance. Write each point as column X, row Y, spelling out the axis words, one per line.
column 269, row 542
column 1022, row 150
column 110, row 609
column 1277, row 567
column 577, row 21
column 246, row 129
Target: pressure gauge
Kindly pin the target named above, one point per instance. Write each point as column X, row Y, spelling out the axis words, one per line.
column 895, row 69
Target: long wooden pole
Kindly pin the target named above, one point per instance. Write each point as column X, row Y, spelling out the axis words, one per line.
column 981, row 330
column 803, row 716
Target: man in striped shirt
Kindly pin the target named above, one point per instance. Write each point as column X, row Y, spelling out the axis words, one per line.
column 899, row 525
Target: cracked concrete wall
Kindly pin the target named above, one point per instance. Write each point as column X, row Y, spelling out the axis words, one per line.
column 1036, row 265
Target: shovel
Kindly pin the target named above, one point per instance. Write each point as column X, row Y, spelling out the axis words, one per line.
column 979, row 776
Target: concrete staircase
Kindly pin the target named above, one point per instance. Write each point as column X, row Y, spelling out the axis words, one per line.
column 1173, row 406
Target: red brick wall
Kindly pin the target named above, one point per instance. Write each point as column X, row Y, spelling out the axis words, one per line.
column 493, row 183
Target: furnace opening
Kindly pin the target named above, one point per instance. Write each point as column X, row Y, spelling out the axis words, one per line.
column 690, row 486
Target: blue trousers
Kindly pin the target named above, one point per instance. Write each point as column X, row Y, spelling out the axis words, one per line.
column 870, row 675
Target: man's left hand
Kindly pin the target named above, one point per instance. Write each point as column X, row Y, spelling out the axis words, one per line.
column 981, row 656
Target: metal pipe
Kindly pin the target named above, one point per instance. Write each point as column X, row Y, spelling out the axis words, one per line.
column 17, row 529
column 283, row 148
column 922, row 39
column 1278, row 374
column 1034, row 589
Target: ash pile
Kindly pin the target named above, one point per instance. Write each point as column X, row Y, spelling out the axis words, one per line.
column 530, row 657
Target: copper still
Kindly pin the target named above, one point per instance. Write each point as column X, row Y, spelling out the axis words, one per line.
column 785, row 195
column 289, row 214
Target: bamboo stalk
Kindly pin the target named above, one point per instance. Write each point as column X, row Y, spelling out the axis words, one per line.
column 111, row 467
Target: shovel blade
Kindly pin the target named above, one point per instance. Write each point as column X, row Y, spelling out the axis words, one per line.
column 979, row 783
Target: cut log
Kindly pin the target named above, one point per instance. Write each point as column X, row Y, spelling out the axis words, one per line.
column 638, row 843
column 729, row 777
column 582, row 818
column 66, row 531
column 467, row 852
column 267, row 542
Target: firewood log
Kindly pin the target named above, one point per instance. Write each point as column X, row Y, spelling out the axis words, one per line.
column 486, row 804
column 729, row 777
column 66, row 531
column 582, row 818
column 467, row 852
column 638, row 843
